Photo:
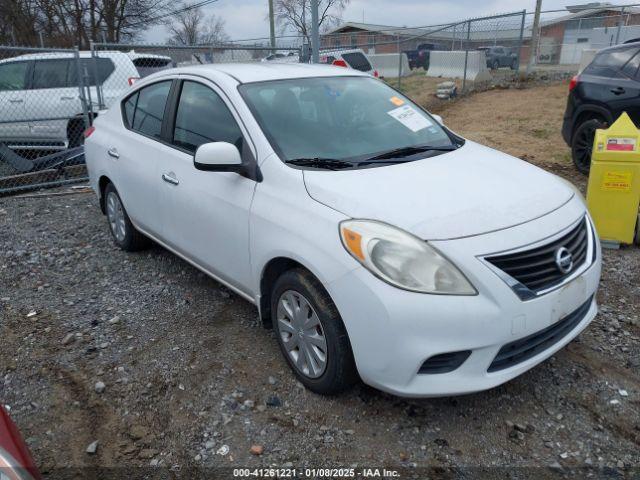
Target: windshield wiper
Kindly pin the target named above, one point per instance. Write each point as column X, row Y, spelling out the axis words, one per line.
column 327, row 163
column 408, row 151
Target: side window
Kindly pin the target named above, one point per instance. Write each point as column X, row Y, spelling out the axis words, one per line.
column 51, row 74
column 12, row 75
column 129, row 109
column 104, row 66
column 149, row 109
column 631, row 67
column 203, row 117
column 609, row 64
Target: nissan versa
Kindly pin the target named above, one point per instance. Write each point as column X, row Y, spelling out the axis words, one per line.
column 377, row 243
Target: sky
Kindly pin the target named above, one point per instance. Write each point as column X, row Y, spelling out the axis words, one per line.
column 248, row 18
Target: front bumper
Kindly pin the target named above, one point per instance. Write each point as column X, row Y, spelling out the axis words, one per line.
column 393, row 332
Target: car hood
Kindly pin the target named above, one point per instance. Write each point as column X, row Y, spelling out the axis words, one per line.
column 470, row 191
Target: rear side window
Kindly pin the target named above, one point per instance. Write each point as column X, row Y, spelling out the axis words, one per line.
column 13, row 75
column 52, row 74
column 148, row 65
column 631, row 67
column 203, row 117
column 357, row 61
column 144, row 110
column 609, row 64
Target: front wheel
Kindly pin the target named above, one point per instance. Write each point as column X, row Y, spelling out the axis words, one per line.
column 311, row 334
column 582, row 144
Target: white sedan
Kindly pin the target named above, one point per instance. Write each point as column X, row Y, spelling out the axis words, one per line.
column 377, row 243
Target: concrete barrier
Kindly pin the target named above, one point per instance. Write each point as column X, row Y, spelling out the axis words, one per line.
column 387, row 64
column 450, row 64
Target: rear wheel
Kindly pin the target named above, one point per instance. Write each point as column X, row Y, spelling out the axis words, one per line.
column 636, row 239
column 122, row 230
column 496, row 65
column 582, row 144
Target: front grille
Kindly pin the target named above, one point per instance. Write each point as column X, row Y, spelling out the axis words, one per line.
column 444, row 363
column 516, row 352
column 536, row 269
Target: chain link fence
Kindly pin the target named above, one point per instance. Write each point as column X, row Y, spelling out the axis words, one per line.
column 134, row 61
column 43, row 114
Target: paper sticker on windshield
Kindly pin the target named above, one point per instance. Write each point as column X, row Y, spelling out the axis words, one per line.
column 397, row 101
column 410, row 118
column 621, row 144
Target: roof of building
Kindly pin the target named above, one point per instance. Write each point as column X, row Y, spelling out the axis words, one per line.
column 577, row 12
column 437, row 32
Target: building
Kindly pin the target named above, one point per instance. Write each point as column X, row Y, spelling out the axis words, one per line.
column 589, row 26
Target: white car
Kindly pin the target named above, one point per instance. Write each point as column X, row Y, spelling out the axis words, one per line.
column 40, row 107
column 376, row 242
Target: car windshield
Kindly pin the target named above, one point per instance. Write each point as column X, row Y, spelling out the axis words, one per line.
column 341, row 118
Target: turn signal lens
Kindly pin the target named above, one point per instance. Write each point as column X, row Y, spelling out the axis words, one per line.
column 353, row 243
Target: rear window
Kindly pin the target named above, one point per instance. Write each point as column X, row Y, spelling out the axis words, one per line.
column 357, row 61
column 609, row 64
column 148, row 65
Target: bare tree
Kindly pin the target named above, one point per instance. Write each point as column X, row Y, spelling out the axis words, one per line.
column 194, row 27
column 65, row 23
column 296, row 15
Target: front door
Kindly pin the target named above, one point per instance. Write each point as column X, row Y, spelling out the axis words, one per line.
column 206, row 214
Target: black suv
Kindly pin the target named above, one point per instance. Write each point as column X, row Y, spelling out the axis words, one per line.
column 607, row 87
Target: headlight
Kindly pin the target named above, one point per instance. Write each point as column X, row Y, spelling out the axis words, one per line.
column 401, row 259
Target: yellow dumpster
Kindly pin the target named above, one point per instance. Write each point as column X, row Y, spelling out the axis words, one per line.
column 613, row 194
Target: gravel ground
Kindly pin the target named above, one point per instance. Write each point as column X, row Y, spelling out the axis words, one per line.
column 164, row 367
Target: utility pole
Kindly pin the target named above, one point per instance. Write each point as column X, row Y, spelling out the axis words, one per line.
column 315, row 32
column 272, row 27
column 535, row 37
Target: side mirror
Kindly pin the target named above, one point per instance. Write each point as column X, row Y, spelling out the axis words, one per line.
column 218, row 157
column 437, row 118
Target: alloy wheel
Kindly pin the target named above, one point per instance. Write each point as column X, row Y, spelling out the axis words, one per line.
column 115, row 215
column 302, row 334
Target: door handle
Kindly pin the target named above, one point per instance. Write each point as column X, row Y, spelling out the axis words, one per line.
column 67, row 98
column 171, row 180
column 16, row 100
column 618, row 91
column 113, row 153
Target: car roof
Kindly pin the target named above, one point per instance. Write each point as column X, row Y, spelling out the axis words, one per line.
column 622, row 46
column 261, row 72
column 60, row 54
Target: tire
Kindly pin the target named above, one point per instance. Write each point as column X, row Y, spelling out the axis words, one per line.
column 582, row 144
column 296, row 290
column 122, row 230
column 496, row 65
column 636, row 238
column 514, row 64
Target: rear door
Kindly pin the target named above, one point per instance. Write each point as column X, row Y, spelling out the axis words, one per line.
column 612, row 81
column 53, row 98
column 137, row 151
column 14, row 123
